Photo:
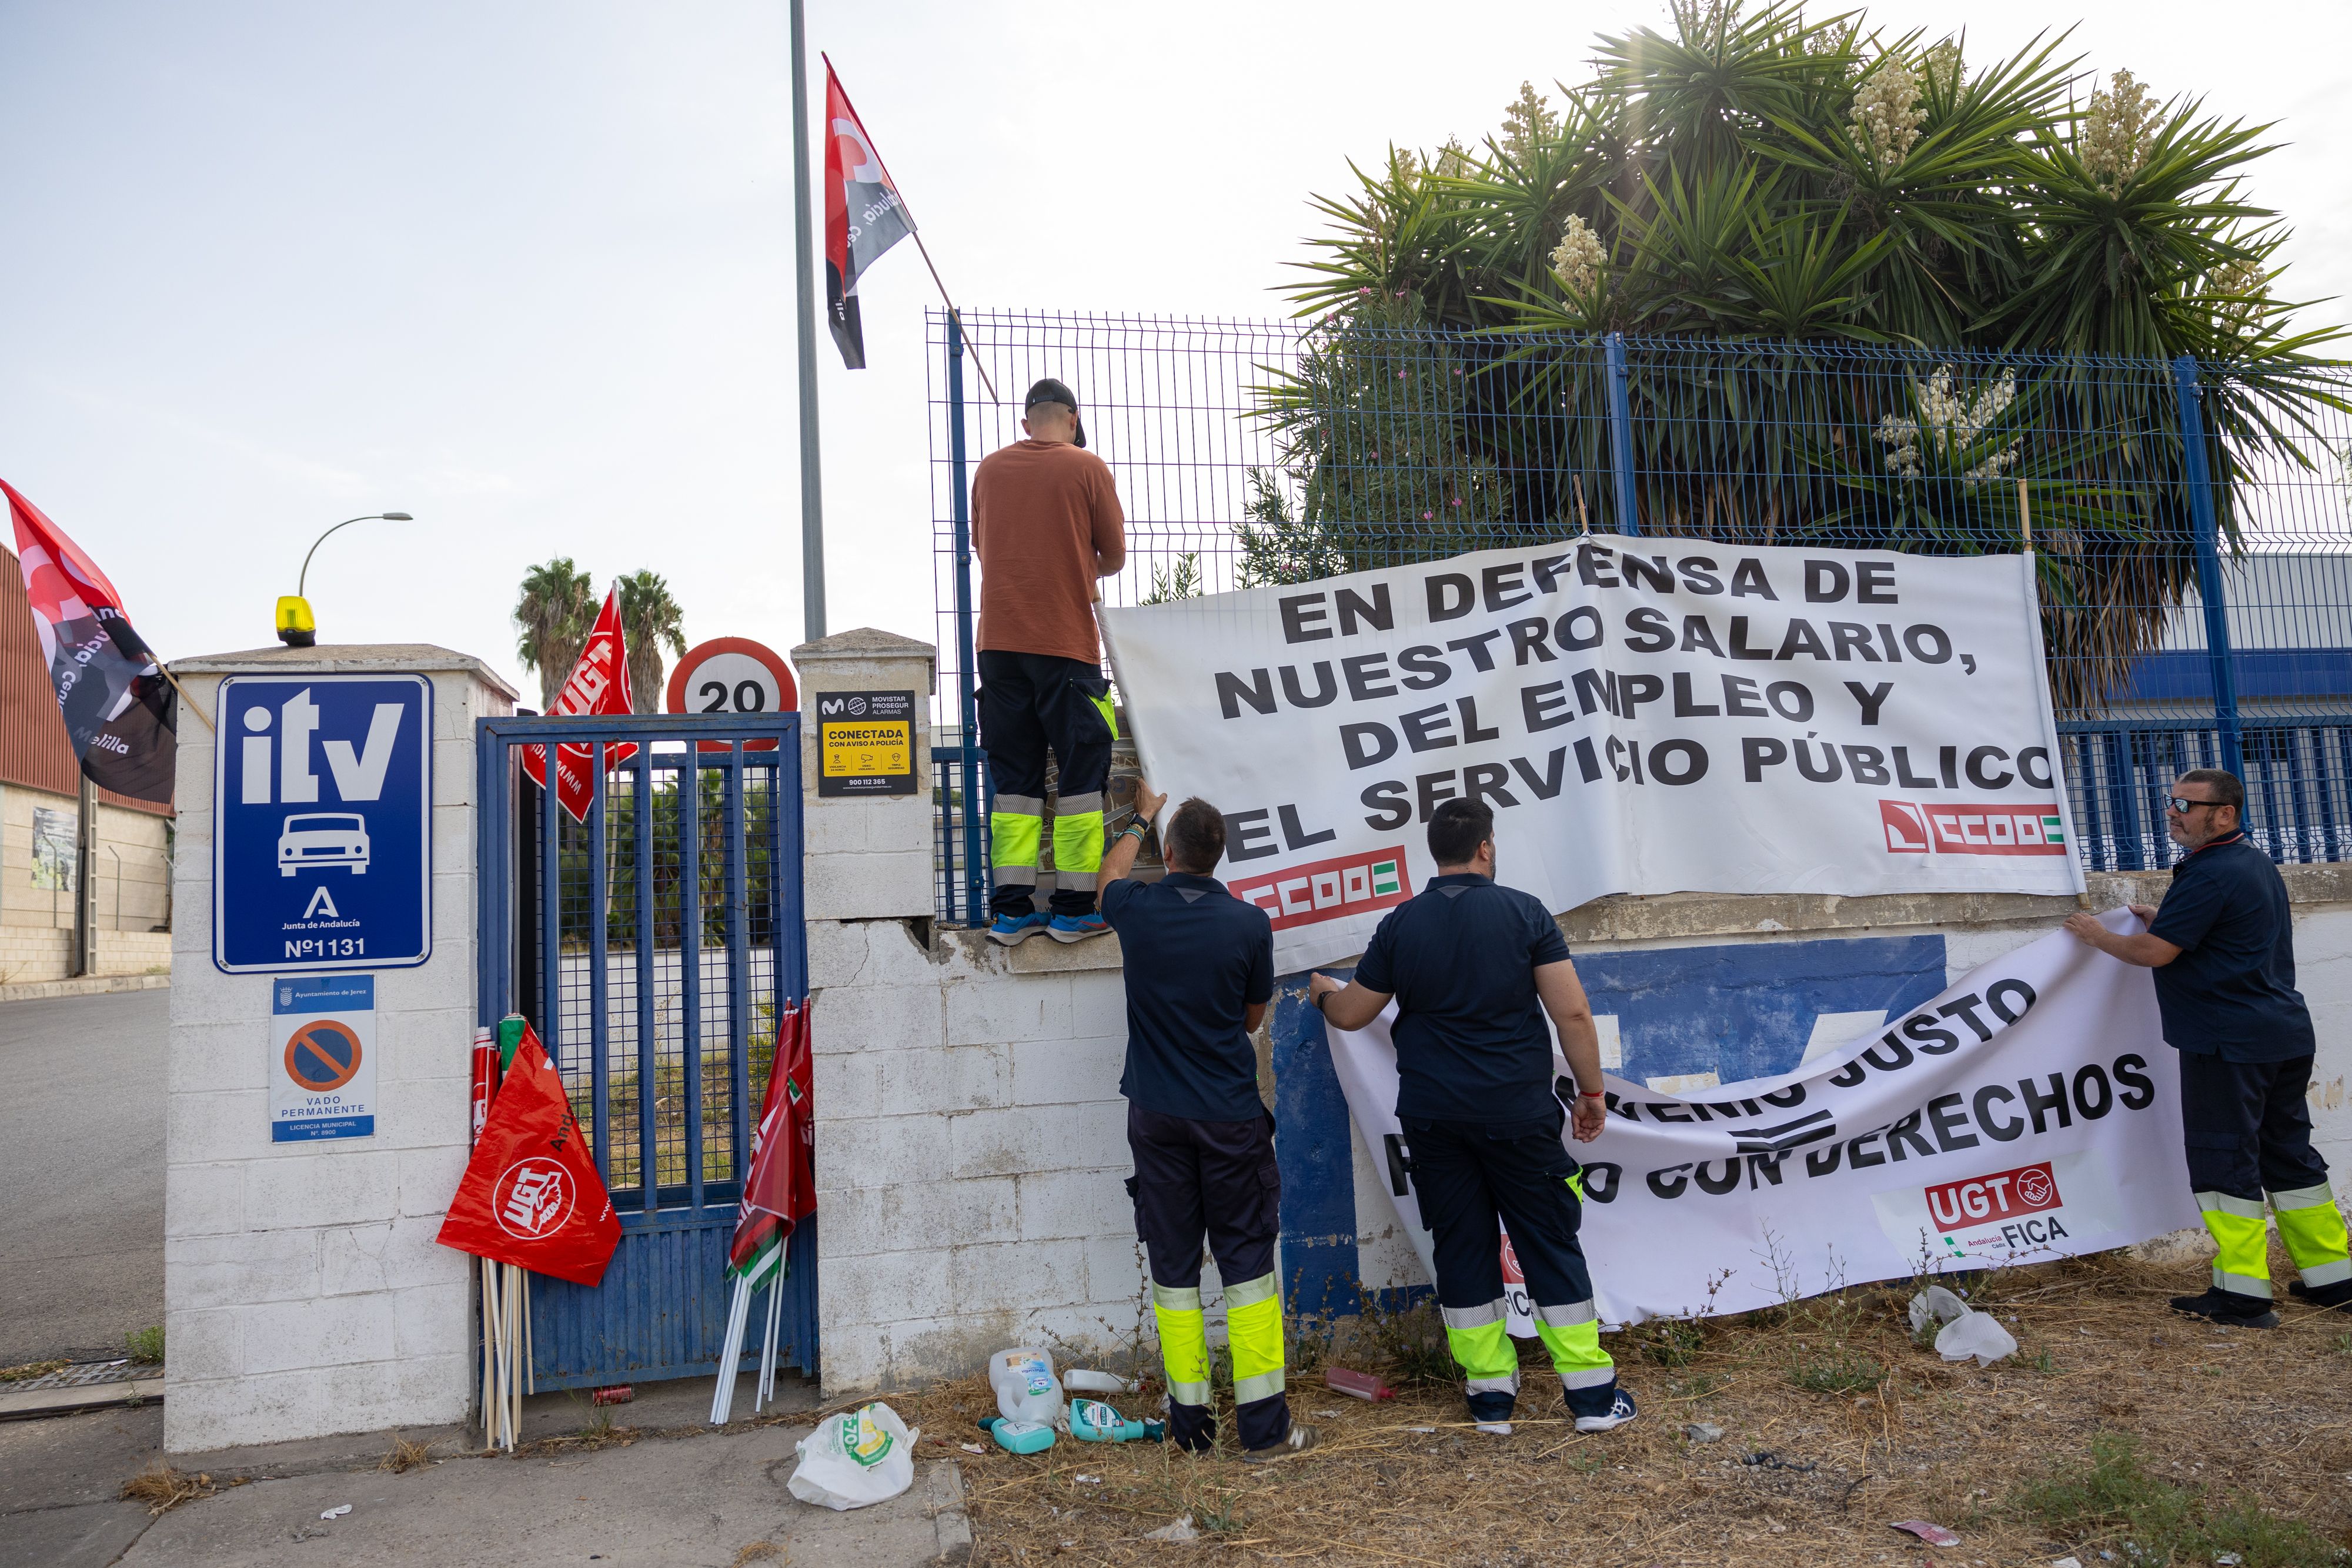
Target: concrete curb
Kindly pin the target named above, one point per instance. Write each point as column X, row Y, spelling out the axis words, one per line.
column 86, row 986
column 943, row 1500
column 91, row 1397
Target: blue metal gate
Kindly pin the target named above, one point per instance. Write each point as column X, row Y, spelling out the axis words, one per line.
column 653, row 945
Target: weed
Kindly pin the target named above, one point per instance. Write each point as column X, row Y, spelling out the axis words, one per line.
column 2151, row 1521
column 2044, row 1363
column 1698, row 1385
column 757, row 1551
column 1669, row 1342
column 2341, row 1344
column 163, row 1489
column 1410, row 1340
column 1838, row 1369
column 32, row 1369
column 1586, row 1463
column 146, row 1345
column 404, row 1456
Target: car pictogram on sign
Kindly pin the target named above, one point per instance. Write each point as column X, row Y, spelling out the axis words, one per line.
column 323, row 839
column 323, row 1055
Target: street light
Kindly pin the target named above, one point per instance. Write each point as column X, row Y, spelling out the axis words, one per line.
column 296, row 626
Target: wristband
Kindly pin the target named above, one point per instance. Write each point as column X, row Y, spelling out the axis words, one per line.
column 1135, row 830
column 1588, row 1095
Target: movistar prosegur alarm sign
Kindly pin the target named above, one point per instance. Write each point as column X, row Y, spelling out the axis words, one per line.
column 322, row 834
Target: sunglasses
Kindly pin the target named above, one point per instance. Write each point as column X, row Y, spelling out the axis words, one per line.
column 2185, row 807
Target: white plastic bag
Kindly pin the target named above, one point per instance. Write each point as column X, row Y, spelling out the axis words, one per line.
column 1938, row 1303
column 865, row 1457
column 1974, row 1333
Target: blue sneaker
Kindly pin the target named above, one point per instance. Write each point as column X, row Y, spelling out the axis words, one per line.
column 1619, row 1414
column 1013, row 930
column 1076, row 928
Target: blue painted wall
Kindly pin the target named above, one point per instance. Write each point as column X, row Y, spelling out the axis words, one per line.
column 1743, row 1010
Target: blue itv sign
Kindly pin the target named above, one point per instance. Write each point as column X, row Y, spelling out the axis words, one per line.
column 322, row 829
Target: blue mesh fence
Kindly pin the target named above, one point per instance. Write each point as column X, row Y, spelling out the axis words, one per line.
column 2192, row 523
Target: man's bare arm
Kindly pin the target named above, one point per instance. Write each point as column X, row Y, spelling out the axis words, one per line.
column 2147, row 951
column 1252, row 1016
column 1352, row 1006
column 1563, row 999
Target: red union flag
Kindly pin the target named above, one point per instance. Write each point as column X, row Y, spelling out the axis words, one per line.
column 531, row 1194
column 1325, row 889
column 599, row 685
column 863, row 216
column 1988, row 1199
column 780, row 1190
column 1937, row 827
column 118, row 708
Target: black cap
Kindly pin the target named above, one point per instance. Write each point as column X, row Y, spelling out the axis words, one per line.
column 1052, row 391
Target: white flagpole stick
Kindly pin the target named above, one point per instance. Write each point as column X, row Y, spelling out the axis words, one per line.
column 730, row 1356
column 489, row 1354
column 514, row 1344
column 768, row 1349
column 530, row 1372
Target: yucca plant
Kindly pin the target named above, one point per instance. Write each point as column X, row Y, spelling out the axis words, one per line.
column 1866, row 289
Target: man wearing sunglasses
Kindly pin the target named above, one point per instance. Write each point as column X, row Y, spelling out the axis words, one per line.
column 2223, row 947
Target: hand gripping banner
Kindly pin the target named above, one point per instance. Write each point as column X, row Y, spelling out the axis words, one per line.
column 1644, row 715
column 531, row 1194
column 2030, row 1112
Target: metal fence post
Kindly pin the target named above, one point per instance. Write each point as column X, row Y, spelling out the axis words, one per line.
column 1620, row 436
column 968, row 712
column 2197, row 476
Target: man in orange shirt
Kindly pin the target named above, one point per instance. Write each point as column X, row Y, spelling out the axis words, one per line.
column 1045, row 522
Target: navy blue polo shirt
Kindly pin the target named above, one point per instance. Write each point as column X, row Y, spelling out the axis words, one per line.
column 1196, row 956
column 1460, row 957
column 2231, row 992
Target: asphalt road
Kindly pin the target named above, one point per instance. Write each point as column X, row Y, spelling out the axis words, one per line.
column 81, row 1172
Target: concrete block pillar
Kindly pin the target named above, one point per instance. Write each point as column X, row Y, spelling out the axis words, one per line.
column 869, row 857
column 304, row 1291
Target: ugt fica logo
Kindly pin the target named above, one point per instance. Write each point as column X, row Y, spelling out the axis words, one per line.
column 532, row 1199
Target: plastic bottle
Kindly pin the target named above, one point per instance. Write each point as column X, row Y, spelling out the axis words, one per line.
column 1027, row 1388
column 1078, row 1380
column 1018, row 1436
column 1093, row 1421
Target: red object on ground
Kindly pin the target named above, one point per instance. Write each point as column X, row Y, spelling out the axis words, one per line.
column 780, row 1190
column 599, row 685
column 531, row 1194
column 619, row 1394
column 1363, row 1385
column 486, row 1079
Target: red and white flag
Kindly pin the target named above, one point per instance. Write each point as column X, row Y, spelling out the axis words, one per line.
column 780, row 1188
column 531, row 1194
column 119, row 710
column 599, row 685
column 864, row 216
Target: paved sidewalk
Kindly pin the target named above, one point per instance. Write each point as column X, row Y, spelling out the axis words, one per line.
column 686, row 1502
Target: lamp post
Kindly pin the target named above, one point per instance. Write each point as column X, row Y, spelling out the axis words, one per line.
column 296, row 626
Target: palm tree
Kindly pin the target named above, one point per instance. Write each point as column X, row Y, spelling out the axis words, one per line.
column 650, row 619
column 1928, row 288
column 554, row 612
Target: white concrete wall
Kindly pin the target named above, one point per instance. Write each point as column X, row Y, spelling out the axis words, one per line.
column 304, row 1292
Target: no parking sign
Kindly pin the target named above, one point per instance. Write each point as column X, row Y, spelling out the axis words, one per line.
column 321, row 1057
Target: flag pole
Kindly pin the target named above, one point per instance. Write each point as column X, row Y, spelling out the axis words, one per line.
column 804, row 251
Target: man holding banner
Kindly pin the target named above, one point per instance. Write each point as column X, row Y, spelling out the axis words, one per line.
column 2223, row 947
column 1474, row 966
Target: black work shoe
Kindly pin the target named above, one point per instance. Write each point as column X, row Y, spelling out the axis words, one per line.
column 1300, row 1439
column 2337, row 1295
column 2228, row 1308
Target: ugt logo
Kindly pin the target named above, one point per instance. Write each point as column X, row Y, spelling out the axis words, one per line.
column 532, row 1199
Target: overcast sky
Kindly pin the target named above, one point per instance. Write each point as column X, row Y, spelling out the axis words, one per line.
column 523, row 267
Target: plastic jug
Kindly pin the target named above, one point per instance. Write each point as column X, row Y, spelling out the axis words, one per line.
column 1027, row 1388
column 1093, row 1421
column 1018, row 1436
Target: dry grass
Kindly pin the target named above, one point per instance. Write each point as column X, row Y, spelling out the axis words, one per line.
column 1835, row 1424
column 757, row 1551
column 163, row 1489
column 25, row 1372
column 405, row 1457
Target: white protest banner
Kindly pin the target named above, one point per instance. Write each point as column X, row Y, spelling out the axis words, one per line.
column 1646, row 714
column 2030, row 1112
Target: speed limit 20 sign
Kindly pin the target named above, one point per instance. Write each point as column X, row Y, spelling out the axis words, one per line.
column 731, row 674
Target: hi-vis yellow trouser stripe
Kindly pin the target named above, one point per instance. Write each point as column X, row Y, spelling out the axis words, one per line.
column 2313, row 1228
column 1016, row 827
column 1481, row 1343
column 1183, row 1342
column 2244, row 1264
column 1572, row 1334
column 1253, row 1330
column 1078, row 841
